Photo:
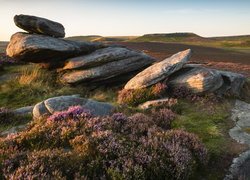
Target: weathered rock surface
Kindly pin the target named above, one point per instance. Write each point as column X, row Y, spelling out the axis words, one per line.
column 168, row 102
column 197, row 79
column 100, row 57
column 122, row 61
column 159, row 71
column 233, row 83
column 24, row 110
column 60, row 103
column 42, row 49
column 33, row 24
column 240, row 167
column 241, row 116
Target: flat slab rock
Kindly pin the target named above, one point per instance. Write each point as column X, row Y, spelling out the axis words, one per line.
column 38, row 25
column 60, row 103
column 159, row 71
column 100, row 57
column 40, row 48
column 168, row 102
column 198, row 79
column 104, row 64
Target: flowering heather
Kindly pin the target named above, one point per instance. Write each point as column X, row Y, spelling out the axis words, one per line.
column 133, row 97
column 80, row 146
column 74, row 112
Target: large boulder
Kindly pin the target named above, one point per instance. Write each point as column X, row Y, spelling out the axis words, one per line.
column 61, row 103
column 40, row 48
column 196, row 78
column 38, row 25
column 232, row 83
column 104, row 64
column 159, row 71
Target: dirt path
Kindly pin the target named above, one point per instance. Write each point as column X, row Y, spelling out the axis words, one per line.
column 212, row 57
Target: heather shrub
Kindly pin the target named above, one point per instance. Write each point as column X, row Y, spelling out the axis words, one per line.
column 44, row 164
column 184, row 93
column 134, row 97
column 77, row 145
column 74, row 112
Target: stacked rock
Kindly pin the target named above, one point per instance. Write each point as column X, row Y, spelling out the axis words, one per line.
column 177, row 73
column 80, row 61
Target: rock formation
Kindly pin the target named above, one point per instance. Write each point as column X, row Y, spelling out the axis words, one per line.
column 40, row 48
column 104, row 64
column 81, row 61
column 38, row 25
column 159, row 71
column 198, row 79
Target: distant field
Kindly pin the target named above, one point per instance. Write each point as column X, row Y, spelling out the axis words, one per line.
column 236, row 43
column 101, row 38
column 209, row 56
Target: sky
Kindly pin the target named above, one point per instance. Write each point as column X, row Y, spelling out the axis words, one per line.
column 133, row 17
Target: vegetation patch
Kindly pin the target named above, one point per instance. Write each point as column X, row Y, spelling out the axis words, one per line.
column 81, row 146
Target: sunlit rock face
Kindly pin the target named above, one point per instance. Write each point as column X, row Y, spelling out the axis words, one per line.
column 197, row 79
column 40, row 48
column 159, row 71
column 38, row 25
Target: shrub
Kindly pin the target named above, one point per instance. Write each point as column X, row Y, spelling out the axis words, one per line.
column 45, row 164
column 134, row 97
column 74, row 112
column 77, row 145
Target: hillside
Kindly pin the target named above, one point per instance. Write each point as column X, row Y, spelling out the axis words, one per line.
column 239, row 43
column 84, row 38
column 97, row 38
column 171, row 37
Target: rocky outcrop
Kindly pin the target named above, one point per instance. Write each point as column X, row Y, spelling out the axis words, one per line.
column 104, row 64
column 38, row 25
column 197, row 79
column 40, row 48
column 60, row 103
column 159, row 71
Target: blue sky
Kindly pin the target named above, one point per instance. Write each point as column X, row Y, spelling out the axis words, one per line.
column 133, row 17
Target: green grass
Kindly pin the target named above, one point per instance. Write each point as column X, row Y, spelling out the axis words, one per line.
column 211, row 123
column 207, row 124
column 34, row 84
